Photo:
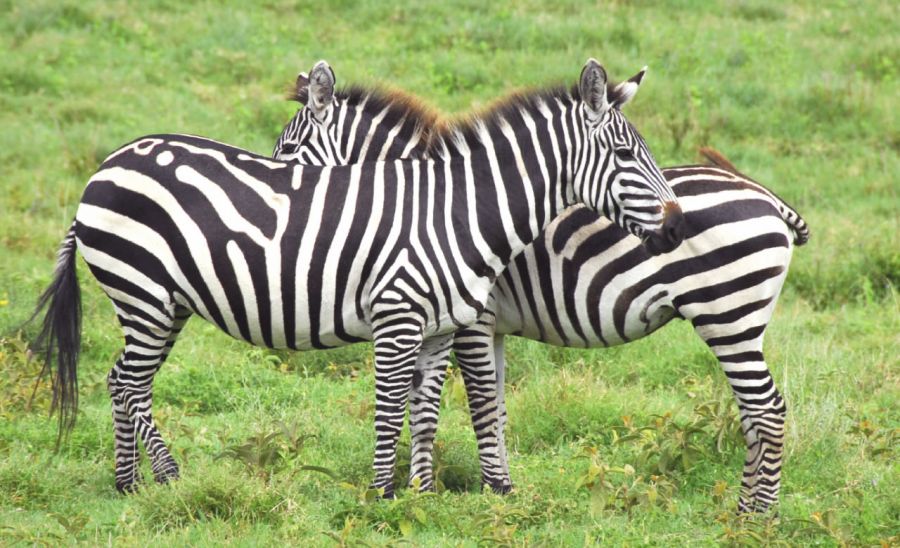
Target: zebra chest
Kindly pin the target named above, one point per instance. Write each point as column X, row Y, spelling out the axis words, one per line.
column 413, row 286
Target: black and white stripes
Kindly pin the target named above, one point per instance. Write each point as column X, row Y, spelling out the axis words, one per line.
column 586, row 282
column 400, row 252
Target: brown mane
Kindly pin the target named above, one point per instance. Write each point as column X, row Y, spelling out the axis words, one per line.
column 379, row 97
column 440, row 131
column 466, row 126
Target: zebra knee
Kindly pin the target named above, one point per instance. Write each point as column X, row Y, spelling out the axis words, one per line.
column 112, row 381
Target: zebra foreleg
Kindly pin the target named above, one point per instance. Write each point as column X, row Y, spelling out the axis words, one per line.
column 397, row 346
column 424, row 407
column 762, row 413
column 502, row 451
column 477, row 352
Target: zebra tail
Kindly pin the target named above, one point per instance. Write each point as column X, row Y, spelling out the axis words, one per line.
column 60, row 334
column 793, row 219
column 716, row 158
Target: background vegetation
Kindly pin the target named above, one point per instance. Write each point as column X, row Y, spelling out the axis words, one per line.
column 631, row 445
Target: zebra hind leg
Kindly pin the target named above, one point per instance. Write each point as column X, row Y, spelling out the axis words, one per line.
column 424, row 408
column 128, row 472
column 762, row 413
column 147, row 345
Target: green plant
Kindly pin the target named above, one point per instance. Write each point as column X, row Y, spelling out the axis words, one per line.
column 665, row 445
column 876, row 440
column 621, row 488
column 268, row 450
column 345, row 537
column 454, row 392
column 720, row 419
column 445, row 472
column 73, row 524
column 771, row 530
column 399, row 515
column 497, row 526
column 30, row 536
column 21, row 389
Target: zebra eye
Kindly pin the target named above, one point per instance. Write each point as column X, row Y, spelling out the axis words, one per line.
column 624, row 154
column 288, row 148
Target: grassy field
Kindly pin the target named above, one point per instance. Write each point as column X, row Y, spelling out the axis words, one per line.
column 802, row 96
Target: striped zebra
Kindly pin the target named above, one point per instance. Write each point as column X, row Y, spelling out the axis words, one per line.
column 587, row 283
column 284, row 255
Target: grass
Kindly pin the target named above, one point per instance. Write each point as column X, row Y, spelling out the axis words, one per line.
column 801, row 96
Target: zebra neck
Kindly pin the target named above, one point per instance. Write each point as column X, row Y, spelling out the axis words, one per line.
column 512, row 189
column 373, row 131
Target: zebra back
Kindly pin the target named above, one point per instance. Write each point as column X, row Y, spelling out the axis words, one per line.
column 790, row 215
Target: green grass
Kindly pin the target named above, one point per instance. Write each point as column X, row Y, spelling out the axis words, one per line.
column 801, row 96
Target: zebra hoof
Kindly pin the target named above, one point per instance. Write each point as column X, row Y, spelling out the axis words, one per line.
column 424, row 487
column 133, row 480
column 746, row 508
column 168, row 473
column 387, row 494
column 500, row 488
column 128, row 487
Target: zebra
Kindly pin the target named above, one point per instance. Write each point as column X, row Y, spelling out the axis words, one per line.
column 587, row 283
column 177, row 225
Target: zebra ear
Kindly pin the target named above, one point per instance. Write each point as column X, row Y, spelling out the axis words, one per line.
column 301, row 89
column 627, row 89
column 321, row 90
column 592, row 87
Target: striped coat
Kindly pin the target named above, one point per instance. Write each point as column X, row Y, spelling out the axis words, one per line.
column 585, row 282
column 402, row 252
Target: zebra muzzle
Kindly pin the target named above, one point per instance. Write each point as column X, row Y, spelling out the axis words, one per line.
column 670, row 234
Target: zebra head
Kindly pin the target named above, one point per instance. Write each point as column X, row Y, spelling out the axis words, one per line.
column 306, row 138
column 615, row 173
column 351, row 125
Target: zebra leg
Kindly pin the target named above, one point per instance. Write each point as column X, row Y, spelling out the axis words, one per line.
column 476, row 354
column 397, row 346
column 147, row 345
column 424, row 407
column 128, row 473
column 500, row 365
column 762, row 413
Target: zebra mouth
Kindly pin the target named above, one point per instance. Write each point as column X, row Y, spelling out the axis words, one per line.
column 669, row 236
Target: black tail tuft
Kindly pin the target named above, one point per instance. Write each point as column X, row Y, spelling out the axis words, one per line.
column 60, row 334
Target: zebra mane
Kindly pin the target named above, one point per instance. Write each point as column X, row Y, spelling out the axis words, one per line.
column 444, row 134
column 462, row 131
column 400, row 105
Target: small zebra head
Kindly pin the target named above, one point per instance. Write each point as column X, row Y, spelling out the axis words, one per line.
column 306, row 137
column 615, row 173
column 351, row 125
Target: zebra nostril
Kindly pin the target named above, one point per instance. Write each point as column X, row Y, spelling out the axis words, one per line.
column 674, row 233
column 673, row 226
